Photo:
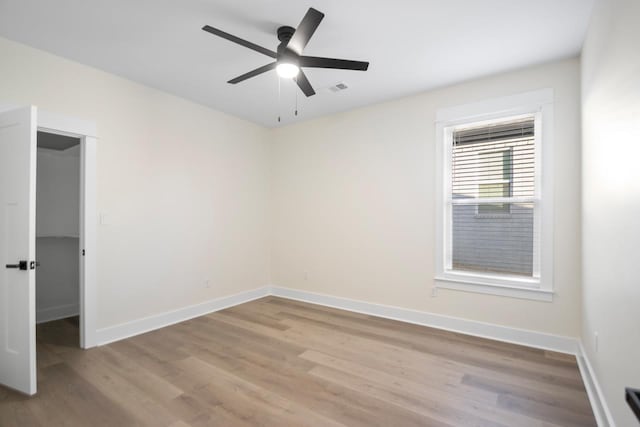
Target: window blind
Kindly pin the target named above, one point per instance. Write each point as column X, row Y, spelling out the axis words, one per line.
column 492, row 200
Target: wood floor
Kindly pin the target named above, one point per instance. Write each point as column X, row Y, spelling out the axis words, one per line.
column 278, row 362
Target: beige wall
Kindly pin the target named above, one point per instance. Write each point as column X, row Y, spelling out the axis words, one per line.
column 611, row 199
column 342, row 205
column 354, row 204
column 185, row 188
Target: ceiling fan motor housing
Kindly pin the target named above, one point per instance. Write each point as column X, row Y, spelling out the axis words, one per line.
column 284, row 35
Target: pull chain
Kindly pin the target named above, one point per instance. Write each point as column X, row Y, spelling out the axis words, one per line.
column 279, row 99
column 296, row 90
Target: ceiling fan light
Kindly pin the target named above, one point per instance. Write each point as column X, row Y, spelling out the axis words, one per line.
column 287, row 70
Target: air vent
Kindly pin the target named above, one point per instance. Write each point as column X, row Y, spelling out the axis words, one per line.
column 339, row 87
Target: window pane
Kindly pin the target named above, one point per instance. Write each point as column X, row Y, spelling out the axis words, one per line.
column 494, row 190
column 493, row 244
column 496, row 161
column 509, row 161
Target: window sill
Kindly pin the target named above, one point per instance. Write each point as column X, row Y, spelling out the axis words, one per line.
column 469, row 285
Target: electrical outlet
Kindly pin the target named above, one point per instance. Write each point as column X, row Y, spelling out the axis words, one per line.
column 595, row 342
column 434, row 292
column 306, row 275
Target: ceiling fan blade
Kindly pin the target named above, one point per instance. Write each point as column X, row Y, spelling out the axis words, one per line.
column 253, row 73
column 239, row 41
column 341, row 64
column 305, row 30
column 304, row 85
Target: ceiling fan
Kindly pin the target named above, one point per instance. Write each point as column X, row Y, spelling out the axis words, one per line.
column 289, row 58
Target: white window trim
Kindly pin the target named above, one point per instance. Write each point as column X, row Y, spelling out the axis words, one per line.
column 540, row 104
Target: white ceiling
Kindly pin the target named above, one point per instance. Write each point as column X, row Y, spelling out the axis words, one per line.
column 412, row 45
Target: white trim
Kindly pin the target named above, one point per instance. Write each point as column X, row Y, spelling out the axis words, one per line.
column 88, row 242
column 596, row 396
column 488, row 200
column 521, row 292
column 525, row 337
column 86, row 131
column 63, row 125
column 455, row 324
column 546, row 194
column 60, row 124
column 55, row 313
column 147, row 324
column 490, row 279
column 538, row 104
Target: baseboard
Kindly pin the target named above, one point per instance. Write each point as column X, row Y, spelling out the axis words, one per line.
column 596, row 397
column 529, row 338
column 147, row 324
column 470, row 327
column 55, row 313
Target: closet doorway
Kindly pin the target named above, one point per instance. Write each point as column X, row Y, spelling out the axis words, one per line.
column 58, row 248
column 19, row 127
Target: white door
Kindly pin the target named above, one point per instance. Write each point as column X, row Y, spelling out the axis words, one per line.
column 18, row 130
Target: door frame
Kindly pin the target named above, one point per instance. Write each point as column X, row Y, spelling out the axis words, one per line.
column 86, row 132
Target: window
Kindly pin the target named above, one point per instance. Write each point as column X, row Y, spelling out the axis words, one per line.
column 490, row 230
column 492, row 188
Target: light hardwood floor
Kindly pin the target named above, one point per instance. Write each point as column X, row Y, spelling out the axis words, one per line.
column 279, row 362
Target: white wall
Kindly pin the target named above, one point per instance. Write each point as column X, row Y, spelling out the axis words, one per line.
column 57, row 227
column 57, row 278
column 185, row 188
column 354, row 204
column 611, row 199
column 187, row 193
column 58, row 193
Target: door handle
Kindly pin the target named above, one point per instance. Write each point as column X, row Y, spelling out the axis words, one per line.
column 21, row 265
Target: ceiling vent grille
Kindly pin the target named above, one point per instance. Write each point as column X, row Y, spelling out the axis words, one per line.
column 339, row 87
